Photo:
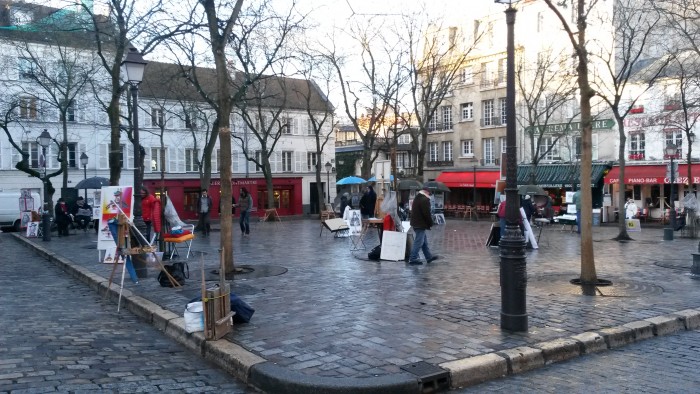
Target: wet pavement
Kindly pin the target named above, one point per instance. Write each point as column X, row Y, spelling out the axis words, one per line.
column 326, row 311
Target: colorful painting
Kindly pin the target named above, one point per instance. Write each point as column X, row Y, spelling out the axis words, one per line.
column 114, row 200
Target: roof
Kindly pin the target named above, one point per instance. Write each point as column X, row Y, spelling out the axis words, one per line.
column 168, row 81
column 556, row 175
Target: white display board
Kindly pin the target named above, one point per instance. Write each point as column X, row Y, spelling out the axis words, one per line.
column 633, row 226
column 393, row 245
column 354, row 222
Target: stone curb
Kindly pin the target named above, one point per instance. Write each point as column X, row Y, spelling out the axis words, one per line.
column 478, row 369
column 244, row 365
column 258, row 372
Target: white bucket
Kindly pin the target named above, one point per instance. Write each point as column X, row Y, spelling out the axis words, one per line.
column 194, row 317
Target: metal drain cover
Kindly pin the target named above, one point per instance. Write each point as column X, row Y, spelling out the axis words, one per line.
column 559, row 284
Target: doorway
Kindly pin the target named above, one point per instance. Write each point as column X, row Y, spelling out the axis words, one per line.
column 313, row 198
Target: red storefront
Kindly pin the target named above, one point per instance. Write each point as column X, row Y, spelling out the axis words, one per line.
column 287, row 194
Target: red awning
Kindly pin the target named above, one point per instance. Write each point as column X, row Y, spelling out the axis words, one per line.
column 484, row 179
column 651, row 174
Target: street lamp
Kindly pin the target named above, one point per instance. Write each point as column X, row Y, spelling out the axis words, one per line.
column 133, row 67
column 328, row 179
column 512, row 245
column 671, row 151
column 83, row 162
column 44, row 140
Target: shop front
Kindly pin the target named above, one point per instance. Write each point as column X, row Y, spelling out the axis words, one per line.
column 474, row 188
column 286, row 194
column 650, row 186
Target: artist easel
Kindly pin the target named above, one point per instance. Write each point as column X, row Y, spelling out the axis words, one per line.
column 216, row 303
column 124, row 249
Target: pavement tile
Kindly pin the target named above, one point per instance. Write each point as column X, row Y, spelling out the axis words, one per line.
column 373, row 314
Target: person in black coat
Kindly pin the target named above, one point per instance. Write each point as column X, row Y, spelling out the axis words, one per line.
column 63, row 218
column 421, row 220
column 368, row 202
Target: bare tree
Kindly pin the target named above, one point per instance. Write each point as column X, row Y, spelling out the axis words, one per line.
column 437, row 60
column 635, row 26
column 547, row 89
column 683, row 18
column 367, row 101
column 577, row 36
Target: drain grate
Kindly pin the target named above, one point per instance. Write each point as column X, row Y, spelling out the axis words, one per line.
column 432, row 379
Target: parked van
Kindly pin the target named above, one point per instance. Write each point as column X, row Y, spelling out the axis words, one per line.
column 9, row 208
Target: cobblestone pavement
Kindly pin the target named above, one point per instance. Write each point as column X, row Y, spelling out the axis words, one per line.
column 57, row 335
column 664, row 365
column 324, row 310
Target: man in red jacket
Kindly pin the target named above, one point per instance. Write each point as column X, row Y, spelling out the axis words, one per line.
column 150, row 206
column 421, row 220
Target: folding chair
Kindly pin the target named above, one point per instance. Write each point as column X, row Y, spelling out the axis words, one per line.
column 174, row 239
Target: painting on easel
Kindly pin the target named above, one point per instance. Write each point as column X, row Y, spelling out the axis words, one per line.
column 113, row 198
column 109, row 256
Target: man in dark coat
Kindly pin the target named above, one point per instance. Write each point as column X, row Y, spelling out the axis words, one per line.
column 368, row 202
column 421, row 220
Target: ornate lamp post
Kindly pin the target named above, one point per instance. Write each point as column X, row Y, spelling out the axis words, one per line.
column 133, row 67
column 671, row 152
column 44, row 140
column 512, row 245
column 83, row 162
column 328, row 179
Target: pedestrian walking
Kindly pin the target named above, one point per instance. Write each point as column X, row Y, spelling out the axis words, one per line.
column 245, row 203
column 501, row 212
column 577, row 202
column 63, row 218
column 204, row 204
column 421, row 220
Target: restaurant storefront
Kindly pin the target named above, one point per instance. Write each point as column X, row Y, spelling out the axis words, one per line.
column 287, row 195
column 650, row 186
column 466, row 185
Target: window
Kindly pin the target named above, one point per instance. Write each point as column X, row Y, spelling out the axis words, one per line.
column 27, row 108
column 287, row 161
column 310, row 130
column 157, row 118
column 487, row 112
column 69, row 105
column 311, row 160
column 486, row 74
column 191, row 160
column 549, row 148
column 157, row 159
column 447, row 117
column 673, row 137
column 467, row 76
column 404, row 139
column 433, row 124
column 26, row 68
column 540, row 22
column 467, row 111
column 489, row 158
column 637, row 146
column 258, row 159
column 34, row 150
column 501, row 76
column 289, row 126
column 403, row 160
column 433, row 151
column 72, row 155
column 504, row 144
column 468, row 148
column 504, row 117
column 447, row 150
column 190, row 120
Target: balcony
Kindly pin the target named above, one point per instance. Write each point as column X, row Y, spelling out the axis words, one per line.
column 439, row 127
column 494, row 121
column 636, row 156
column 440, row 163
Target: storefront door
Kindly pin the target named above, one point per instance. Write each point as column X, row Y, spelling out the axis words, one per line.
column 190, row 204
column 282, row 200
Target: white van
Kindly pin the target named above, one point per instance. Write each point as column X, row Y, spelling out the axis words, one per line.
column 9, row 208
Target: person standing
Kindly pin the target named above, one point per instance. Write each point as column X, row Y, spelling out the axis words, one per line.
column 368, row 203
column 577, row 202
column 421, row 220
column 501, row 212
column 245, row 202
column 204, row 204
column 63, row 219
column 150, row 207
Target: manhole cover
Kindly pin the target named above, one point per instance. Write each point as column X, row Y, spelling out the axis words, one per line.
column 681, row 265
column 560, row 284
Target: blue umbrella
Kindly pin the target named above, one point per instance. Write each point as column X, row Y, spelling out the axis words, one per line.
column 351, row 180
column 374, row 179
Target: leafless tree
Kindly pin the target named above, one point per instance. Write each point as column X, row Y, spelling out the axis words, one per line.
column 635, row 27
column 578, row 39
column 547, row 89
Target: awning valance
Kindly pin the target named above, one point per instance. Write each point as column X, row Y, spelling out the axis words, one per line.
column 557, row 175
column 484, row 179
column 652, row 174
